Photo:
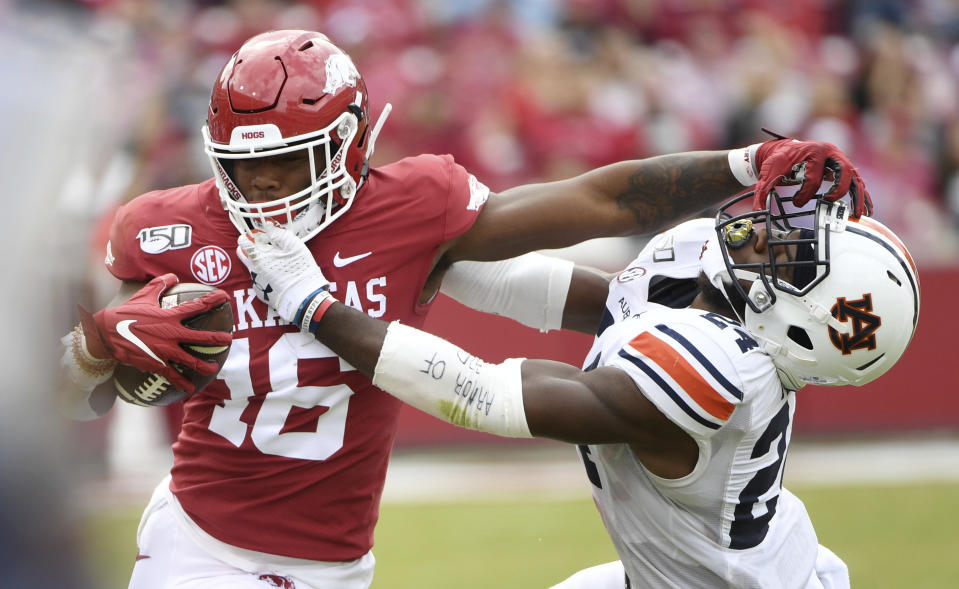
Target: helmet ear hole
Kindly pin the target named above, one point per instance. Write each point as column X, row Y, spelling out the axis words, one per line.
column 799, row 335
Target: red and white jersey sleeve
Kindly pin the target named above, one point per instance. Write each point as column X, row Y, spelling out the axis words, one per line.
column 153, row 228
column 286, row 451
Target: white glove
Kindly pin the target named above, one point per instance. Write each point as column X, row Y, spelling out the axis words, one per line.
column 285, row 274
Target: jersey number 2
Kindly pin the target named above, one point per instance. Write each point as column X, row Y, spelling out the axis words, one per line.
column 751, row 524
column 285, row 394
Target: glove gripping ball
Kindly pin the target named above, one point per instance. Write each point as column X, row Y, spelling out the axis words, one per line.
column 148, row 389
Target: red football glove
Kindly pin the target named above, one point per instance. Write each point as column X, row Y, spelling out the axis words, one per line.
column 785, row 161
column 144, row 335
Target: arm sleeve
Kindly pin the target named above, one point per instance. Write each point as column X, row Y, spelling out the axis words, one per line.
column 530, row 289
column 75, row 398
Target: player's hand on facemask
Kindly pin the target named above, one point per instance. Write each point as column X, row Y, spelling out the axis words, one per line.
column 783, row 161
column 285, row 274
column 143, row 334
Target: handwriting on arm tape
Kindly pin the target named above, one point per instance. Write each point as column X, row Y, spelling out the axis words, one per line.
column 463, row 384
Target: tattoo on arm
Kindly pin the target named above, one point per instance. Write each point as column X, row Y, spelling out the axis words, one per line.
column 677, row 186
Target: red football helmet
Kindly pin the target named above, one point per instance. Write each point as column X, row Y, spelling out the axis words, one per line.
column 285, row 91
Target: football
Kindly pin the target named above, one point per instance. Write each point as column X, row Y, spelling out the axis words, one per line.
column 147, row 389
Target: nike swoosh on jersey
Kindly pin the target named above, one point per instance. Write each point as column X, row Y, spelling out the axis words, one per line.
column 339, row 262
column 123, row 328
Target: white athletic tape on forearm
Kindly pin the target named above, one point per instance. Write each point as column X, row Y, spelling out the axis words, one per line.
column 531, row 289
column 742, row 162
column 445, row 381
column 73, row 398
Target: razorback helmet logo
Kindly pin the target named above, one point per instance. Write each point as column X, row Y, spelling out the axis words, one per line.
column 340, row 72
column 864, row 324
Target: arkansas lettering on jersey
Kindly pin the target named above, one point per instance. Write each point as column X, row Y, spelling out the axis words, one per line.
column 286, row 452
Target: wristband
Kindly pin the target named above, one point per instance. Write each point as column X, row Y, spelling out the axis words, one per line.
column 307, row 307
column 84, row 372
column 742, row 163
column 315, row 311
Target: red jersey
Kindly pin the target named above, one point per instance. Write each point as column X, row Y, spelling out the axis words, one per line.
column 286, row 451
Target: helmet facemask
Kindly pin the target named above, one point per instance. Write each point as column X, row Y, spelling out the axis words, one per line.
column 307, row 211
column 802, row 234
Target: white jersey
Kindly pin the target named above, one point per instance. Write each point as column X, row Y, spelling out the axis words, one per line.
column 729, row 522
column 664, row 272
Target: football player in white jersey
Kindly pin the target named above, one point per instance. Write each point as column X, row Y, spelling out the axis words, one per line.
column 684, row 408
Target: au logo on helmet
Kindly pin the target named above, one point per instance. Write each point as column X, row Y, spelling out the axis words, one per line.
column 864, row 324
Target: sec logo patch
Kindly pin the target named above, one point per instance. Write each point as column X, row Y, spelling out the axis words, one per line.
column 210, row 265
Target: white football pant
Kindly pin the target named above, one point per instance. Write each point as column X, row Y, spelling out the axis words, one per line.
column 830, row 573
column 172, row 554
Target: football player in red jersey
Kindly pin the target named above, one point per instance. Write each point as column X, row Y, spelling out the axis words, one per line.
column 280, row 463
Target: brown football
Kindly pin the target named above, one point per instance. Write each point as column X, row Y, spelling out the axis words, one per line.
column 145, row 388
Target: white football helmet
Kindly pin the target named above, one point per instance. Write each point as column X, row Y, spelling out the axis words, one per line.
column 853, row 303
column 287, row 91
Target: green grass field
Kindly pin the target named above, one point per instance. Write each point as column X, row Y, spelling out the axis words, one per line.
column 890, row 536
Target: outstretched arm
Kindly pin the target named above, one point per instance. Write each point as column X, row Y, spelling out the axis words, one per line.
column 517, row 398
column 620, row 199
column 643, row 196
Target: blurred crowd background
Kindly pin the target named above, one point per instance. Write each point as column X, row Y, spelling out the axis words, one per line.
column 525, row 90
column 104, row 99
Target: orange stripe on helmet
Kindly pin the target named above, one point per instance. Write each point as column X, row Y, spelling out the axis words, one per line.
column 888, row 234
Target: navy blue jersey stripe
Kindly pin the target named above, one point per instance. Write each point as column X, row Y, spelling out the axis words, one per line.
column 604, row 322
column 902, row 262
column 592, row 363
column 733, row 389
column 668, row 389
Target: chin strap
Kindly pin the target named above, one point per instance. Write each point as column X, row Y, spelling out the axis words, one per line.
column 384, row 114
column 788, row 380
column 723, row 288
